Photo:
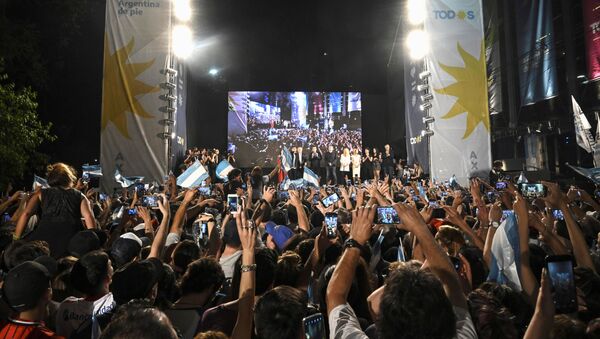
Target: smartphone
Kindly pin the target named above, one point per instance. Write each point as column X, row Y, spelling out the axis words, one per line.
column 314, row 326
column 330, row 200
column 232, row 202
column 204, row 191
column 331, row 219
column 85, row 177
column 387, row 215
column 438, row 213
column 433, row 204
column 316, row 198
column 348, row 182
column 533, row 191
column 501, row 186
column 131, row 211
column 506, row 214
column 455, row 262
column 102, row 197
column 558, row 215
column 562, row 279
column 5, row 218
column 139, row 188
column 197, row 233
column 150, row 201
column 283, row 195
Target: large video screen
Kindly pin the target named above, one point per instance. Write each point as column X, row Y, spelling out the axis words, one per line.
column 260, row 124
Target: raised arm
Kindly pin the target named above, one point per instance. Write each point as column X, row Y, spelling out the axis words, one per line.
column 341, row 280
column 528, row 281
column 161, row 233
column 31, row 207
column 295, row 200
column 437, row 260
column 177, row 224
column 543, row 316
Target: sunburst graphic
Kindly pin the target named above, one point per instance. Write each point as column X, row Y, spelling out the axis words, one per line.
column 121, row 87
column 470, row 89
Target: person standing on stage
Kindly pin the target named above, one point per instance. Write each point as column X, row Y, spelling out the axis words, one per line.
column 376, row 164
column 387, row 161
column 356, row 160
column 301, row 162
column 314, row 159
column 292, row 174
column 367, row 165
column 345, row 162
column 330, row 162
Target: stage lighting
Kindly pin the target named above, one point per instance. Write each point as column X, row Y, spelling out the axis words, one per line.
column 167, row 85
column 182, row 41
column 424, row 75
column 550, row 125
column 493, row 112
column 427, row 133
column 417, row 42
column 426, row 97
column 213, row 71
column 528, row 130
column 167, row 97
column 539, row 128
column 167, row 109
column 425, row 106
column 182, row 10
column 173, row 135
column 416, row 11
column 167, row 122
column 422, row 87
column 428, row 120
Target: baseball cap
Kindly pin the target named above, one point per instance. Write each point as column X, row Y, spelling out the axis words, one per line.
column 124, row 249
column 134, row 281
column 83, row 242
column 280, row 233
column 24, row 285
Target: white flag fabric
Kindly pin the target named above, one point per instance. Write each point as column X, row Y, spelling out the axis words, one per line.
column 136, row 49
column 461, row 142
column 223, row 169
column 582, row 128
column 310, row 177
column 506, row 255
column 39, row 182
column 193, row 176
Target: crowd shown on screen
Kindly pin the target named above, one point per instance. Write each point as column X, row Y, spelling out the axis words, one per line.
column 394, row 255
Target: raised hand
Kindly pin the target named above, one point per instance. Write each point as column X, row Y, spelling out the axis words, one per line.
column 163, row 205
column 246, row 230
column 143, row 213
column 555, row 195
column 362, row 224
column 411, row 218
column 268, row 193
column 190, row 194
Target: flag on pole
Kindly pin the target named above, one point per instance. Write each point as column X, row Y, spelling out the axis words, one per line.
column 310, row 177
column 582, row 128
column 591, row 173
column 92, row 171
column 127, row 181
column 506, row 255
column 223, row 168
column 39, row 182
column 193, row 176
column 286, row 159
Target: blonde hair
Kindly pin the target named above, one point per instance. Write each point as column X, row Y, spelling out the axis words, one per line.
column 61, row 175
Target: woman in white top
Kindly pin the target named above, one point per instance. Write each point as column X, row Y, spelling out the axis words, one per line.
column 345, row 162
column 356, row 160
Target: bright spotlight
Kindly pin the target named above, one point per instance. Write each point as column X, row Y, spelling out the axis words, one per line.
column 417, row 42
column 182, row 41
column 416, row 11
column 213, row 71
column 182, row 10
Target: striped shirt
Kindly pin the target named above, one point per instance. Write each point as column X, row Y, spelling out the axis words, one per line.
column 22, row 329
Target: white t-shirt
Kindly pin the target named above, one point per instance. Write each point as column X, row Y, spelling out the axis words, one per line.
column 73, row 312
column 228, row 263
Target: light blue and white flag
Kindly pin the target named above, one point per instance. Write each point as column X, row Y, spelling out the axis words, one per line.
column 92, row 171
column 126, row 181
column 193, row 176
column 286, row 159
column 310, row 177
column 506, row 254
column 522, row 179
column 223, row 168
column 39, row 182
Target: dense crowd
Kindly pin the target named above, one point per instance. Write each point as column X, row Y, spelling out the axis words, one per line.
column 392, row 258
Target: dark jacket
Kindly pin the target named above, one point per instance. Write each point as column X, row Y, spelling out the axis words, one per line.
column 330, row 159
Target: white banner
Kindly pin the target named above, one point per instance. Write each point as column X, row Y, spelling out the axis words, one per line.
column 461, row 142
column 136, row 49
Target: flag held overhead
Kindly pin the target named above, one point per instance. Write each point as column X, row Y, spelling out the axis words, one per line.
column 193, row 176
column 223, row 169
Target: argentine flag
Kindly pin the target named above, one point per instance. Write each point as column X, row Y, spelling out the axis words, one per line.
column 39, row 182
column 93, row 171
column 506, row 254
column 286, row 159
column 193, row 176
column 310, row 177
column 223, row 168
column 591, row 173
column 126, row 181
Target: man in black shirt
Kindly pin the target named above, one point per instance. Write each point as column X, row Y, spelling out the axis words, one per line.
column 496, row 174
column 330, row 162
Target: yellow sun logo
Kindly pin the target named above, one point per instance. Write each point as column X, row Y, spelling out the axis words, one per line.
column 470, row 89
column 121, row 87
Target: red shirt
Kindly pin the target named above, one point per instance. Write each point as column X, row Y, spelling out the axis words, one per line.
column 17, row 329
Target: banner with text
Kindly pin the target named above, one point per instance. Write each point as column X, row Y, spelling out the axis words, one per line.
column 416, row 145
column 136, row 49
column 460, row 145
column 536, row 51
column 591, row 25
